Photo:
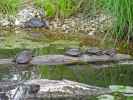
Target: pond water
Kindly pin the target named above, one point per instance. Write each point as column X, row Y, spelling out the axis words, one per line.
column 43, row 42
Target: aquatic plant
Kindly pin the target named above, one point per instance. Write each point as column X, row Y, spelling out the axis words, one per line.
column 9, row 6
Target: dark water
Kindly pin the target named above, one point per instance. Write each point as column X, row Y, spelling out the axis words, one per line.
column 41, row 44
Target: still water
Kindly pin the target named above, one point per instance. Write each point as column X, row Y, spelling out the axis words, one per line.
column 11, row 42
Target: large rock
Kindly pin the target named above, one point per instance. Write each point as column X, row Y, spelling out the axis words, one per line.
column 31, row 17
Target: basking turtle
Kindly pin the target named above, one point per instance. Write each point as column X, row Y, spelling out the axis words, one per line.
column 94, row 51
column 36, row 23
column 111, row 52
column 74, row 52
column 31, row 88
column 24, row 57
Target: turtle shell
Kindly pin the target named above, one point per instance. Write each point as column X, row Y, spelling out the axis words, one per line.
column 110, row 52
column 74, row 52
column 94, row 51
column 24, row 57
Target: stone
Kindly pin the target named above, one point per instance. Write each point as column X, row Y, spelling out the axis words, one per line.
column 28, row 14
column 24, row 57
column 6, row 20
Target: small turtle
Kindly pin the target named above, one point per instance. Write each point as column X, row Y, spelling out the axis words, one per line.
column 111, row 52
column 94, row 51
column 74, row 52
column 24, row 57
column 32, row 88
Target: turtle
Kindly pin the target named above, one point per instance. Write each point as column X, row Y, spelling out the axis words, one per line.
column 32, row 88
column 23, row 57
column 94, row 51
column 74, row 52
column 36, row 23
column 111, row 52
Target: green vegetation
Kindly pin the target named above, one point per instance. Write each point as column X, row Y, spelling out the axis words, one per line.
column 9, row 6
column 59, row 8
column 122, row 10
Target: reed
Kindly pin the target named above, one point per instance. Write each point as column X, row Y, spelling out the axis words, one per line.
column 122, row 10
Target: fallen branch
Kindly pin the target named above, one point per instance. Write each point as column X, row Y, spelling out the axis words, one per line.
column 62, row 59
column 65, row 89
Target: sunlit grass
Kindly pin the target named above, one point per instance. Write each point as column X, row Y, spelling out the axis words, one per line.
column 57, row 8
column 122, row 10
column 9, row 6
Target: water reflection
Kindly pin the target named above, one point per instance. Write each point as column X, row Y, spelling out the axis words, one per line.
column 82, row 73
column 18, row 72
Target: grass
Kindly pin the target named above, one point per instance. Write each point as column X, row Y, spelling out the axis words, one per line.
column 9, row 6
column 59, row 8
column 122, row 10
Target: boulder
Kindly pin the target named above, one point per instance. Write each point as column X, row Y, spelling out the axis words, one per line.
column 31, row 17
